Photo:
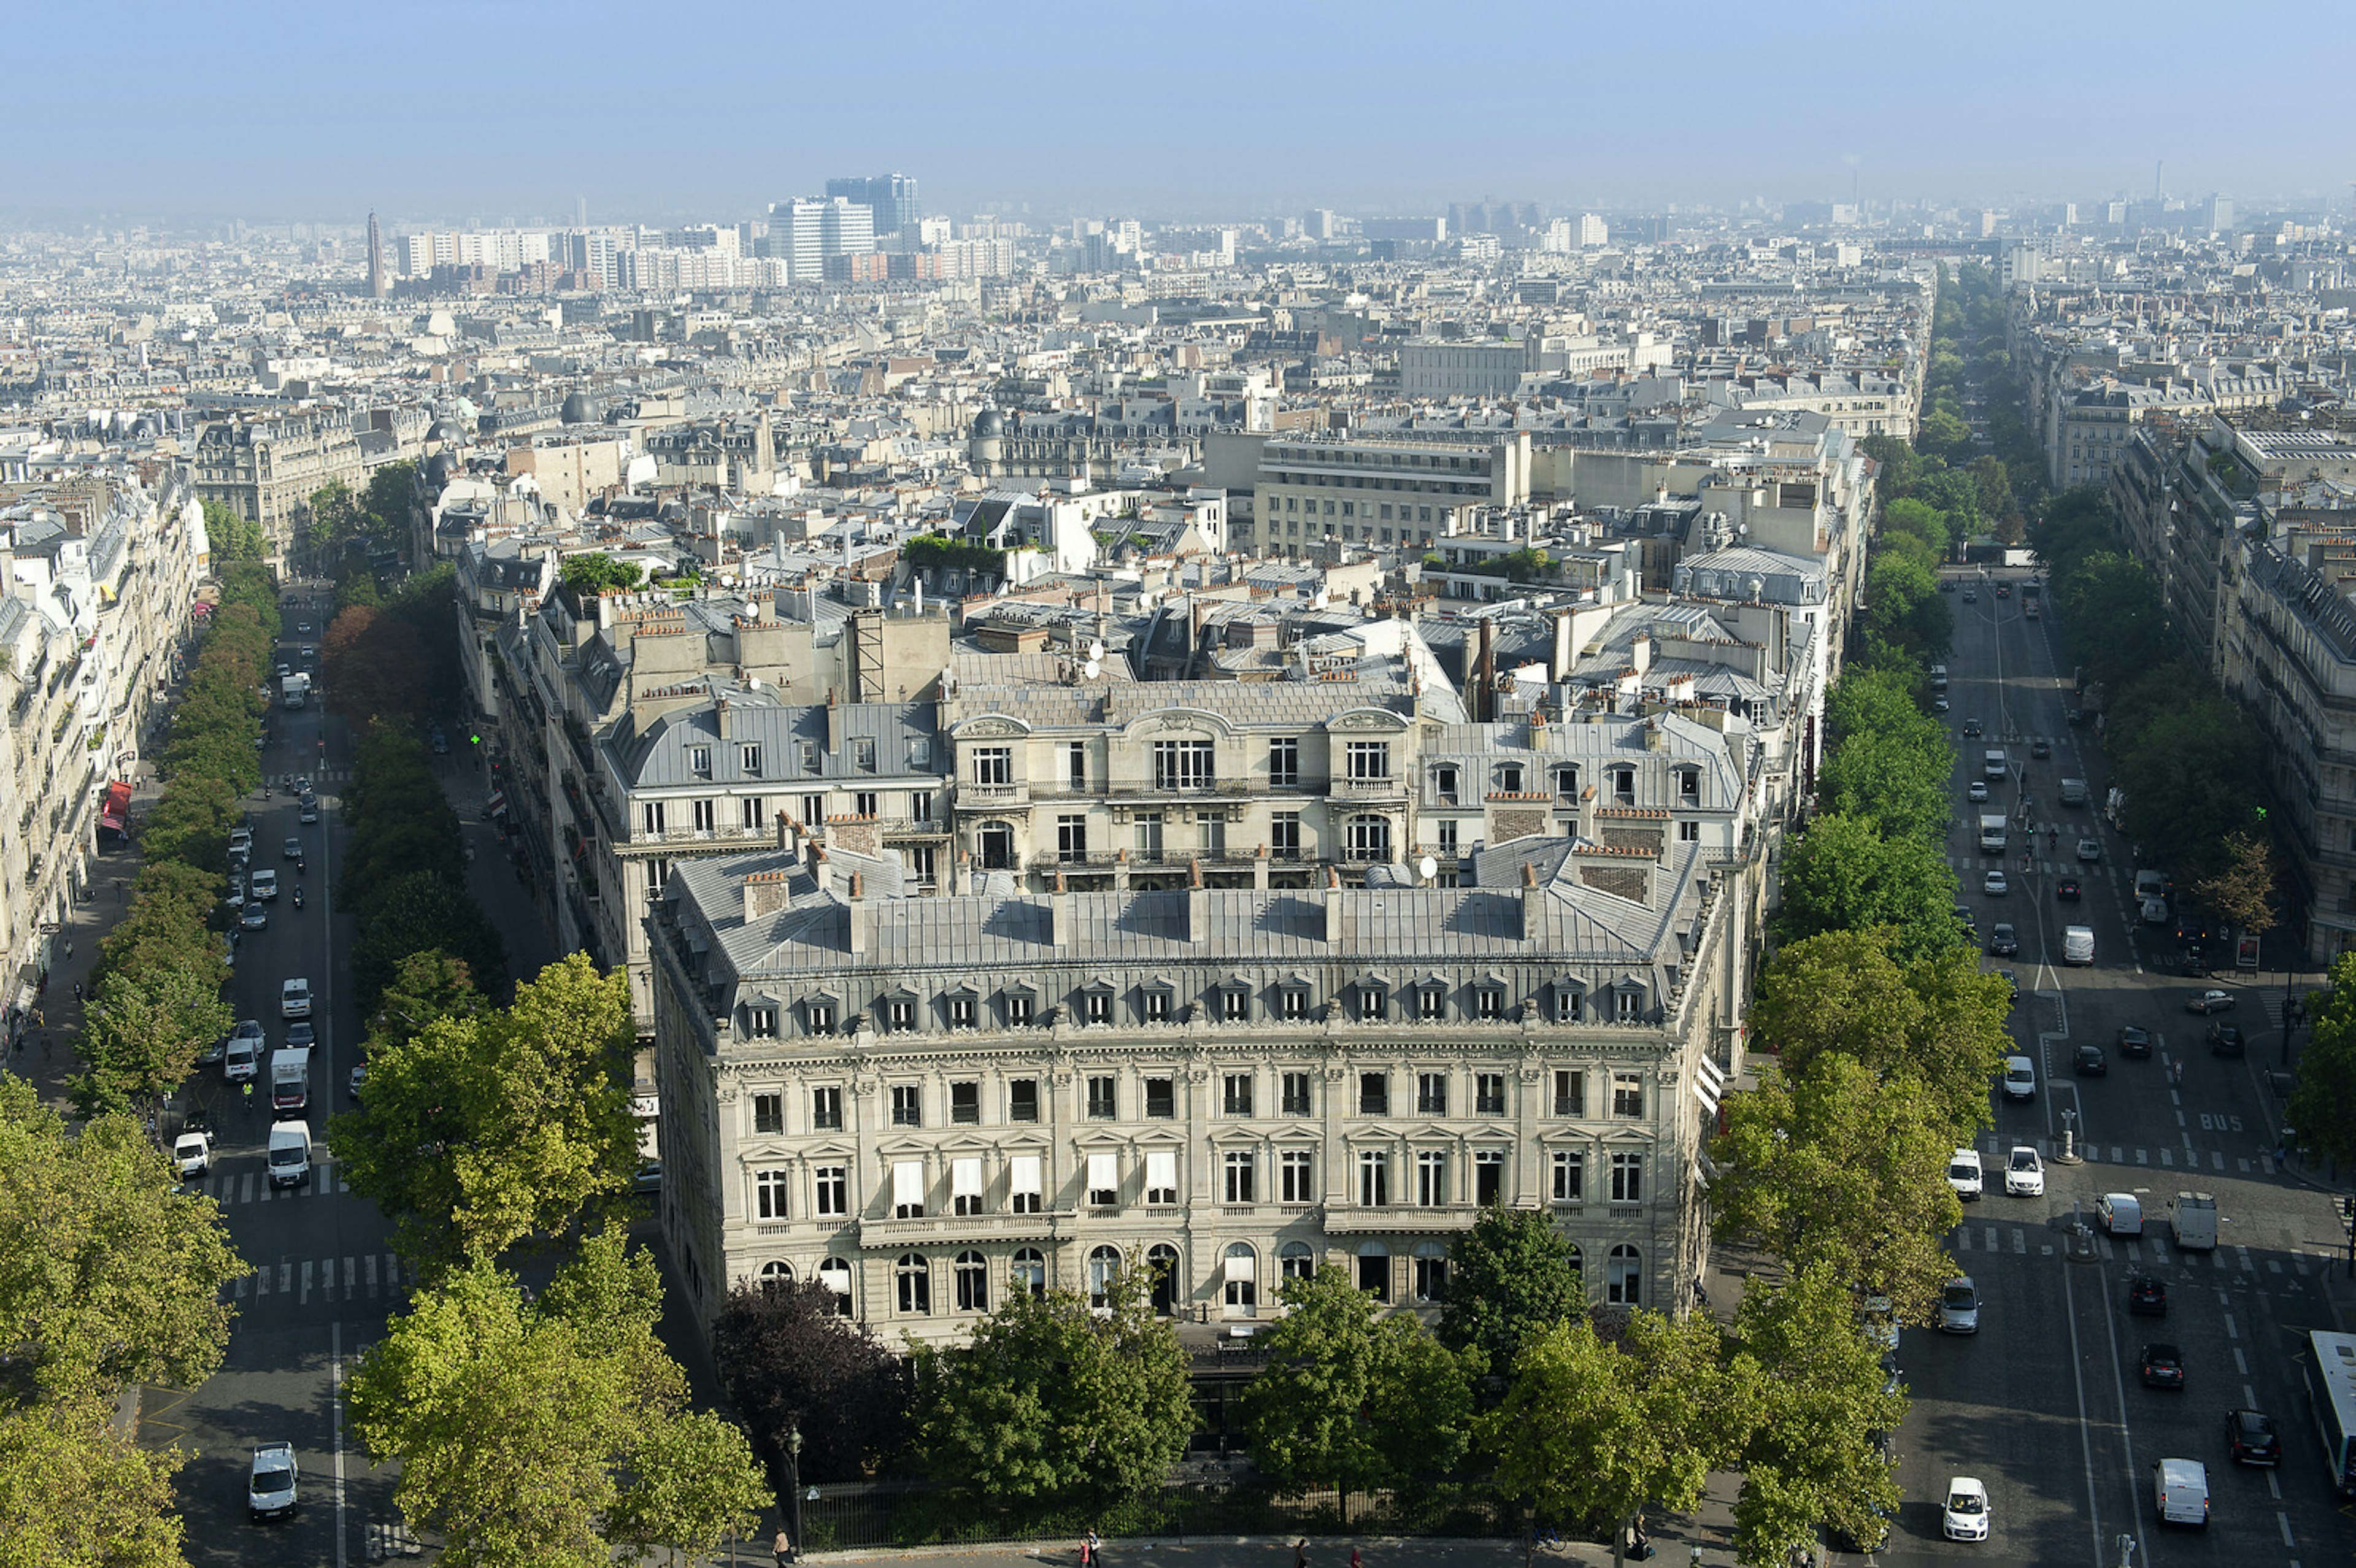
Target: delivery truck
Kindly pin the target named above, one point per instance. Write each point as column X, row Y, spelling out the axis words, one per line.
column 1992, row 832
column 290, row 1080
column 294, row 688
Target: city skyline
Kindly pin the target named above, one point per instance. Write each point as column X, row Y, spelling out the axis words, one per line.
column 1207, row 113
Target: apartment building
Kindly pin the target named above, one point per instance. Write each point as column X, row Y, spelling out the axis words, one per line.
column 267, row 469
column 1376, row 491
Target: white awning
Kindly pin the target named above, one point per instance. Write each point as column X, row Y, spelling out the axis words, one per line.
column 908, row 1183
column 1708, row 1083
column 1103, row 1175
column 1022, row 1175
column 965, row 1177
column 1241, row 1263
column 1162, row 1169
column 837, row 1280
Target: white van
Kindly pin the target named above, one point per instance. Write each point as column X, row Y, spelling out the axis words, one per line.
column 2120, row 1213
column 1938, row 678
column 2192, row 1219
column 2077, row 945
column 2019, row 1078
column 2179, row 1489
column 1993, row 765
column 290, row 1153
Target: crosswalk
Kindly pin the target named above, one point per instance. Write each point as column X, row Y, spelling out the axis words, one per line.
column 1993, row 1147
column 230, row 1189
column 389, row 1538
column 2147, row 1251
column 2085, row 872
column 356, row 1276
column 312, row 775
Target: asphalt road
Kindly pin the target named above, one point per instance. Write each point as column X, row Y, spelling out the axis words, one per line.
column 2044, row 1403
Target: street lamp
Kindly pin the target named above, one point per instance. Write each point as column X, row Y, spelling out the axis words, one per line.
column 794, row 1478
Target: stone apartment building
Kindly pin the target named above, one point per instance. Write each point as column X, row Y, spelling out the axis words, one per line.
column 267, row 469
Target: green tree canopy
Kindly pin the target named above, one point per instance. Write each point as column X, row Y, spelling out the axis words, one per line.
column 2322, row 1104
column 1890, row 763
column 78, row 1493
column 232, row 538
column 1842, row 874
column 593, row 571
column 793, row 1362
column 1511, row 1278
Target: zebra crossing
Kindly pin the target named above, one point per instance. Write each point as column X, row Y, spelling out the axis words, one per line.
column 385, row 1539
column 2147, row 1250
column 2159, row 1157
column 2083, row 871
column 230, row 1189
column 314, row 776
column 356, row 1276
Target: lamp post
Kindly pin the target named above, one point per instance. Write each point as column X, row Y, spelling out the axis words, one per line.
column 794, row 1478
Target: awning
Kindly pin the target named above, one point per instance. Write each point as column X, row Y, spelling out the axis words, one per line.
column 499, row 802
column 113, row 810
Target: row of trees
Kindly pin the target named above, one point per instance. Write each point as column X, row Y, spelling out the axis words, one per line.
column 404, row 873
column 155, row 998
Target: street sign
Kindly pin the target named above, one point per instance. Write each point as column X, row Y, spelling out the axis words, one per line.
column 2245, row 953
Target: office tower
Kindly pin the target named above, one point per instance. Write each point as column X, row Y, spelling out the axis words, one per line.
column 890, row 197
column 376, row 259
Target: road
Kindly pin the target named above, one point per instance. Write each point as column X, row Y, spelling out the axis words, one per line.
column 2045, row 1403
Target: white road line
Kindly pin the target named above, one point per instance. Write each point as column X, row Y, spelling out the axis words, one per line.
column 1991, row 1238
column 2217, row 1157
column 2241, row 1361
column 2104, row 1242
column 304, row 1299
column 2167, row 1157
column 348, row 1264
column 369, row 1271
column 335, row 1395
column 285, row 1278
column 2019, row 1241
column 2143, row 1156
column 2283, row 1520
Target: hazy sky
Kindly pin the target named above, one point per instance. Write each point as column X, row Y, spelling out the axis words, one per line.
column 494, row 110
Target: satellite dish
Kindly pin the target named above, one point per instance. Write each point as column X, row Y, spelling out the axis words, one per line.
column 1096, row 649
column 1319, row 600
column 1427, row 867
column 1090, row 669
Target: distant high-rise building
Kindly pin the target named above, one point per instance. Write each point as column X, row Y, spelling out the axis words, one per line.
column 890, row 197
column 1592, row 231
column 2220, row 214
column 808, row 230
column 377, row 286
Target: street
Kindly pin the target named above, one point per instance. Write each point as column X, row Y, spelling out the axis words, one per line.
column 2045, row 1402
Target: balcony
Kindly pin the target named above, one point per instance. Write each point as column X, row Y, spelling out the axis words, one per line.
column 992, row 798
column 1399, row 1219
column 1383, row 788
column 888, row 1234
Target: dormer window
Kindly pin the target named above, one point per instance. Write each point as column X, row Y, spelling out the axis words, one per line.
column 750, row 756
column 1566, row 783
column 699, row 761
column 1569, row 1005
column 1509, row 778
column 1623, row 786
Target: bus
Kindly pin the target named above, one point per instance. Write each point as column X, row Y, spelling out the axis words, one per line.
column 2330, row 1375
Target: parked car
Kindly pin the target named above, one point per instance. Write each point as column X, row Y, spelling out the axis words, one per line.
column 1964, row 1173
column 2209, row 1002
column 1965, row 1516
column 2024, row 1172
column 2011, row 985
column 2162, row 1366
column 2147, row 1298
column 2251, row 1438
column 2224, row 1039
column 1959, row 1307
column 2089, row 1061
column 2135, row 1040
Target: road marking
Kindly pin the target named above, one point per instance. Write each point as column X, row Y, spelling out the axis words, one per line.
column 2020, row 1241
column 2244, row 1165
column 261, row 1281
column 2274, row 1487
column 1963, row 1238
column 2241, row 1361
column 1991, row 1238
column 285, row 1278
column 2283, row 1520
column 2218, row 1157
column 349, row 1262
column 2167, row 1157
column 2104, row 1242
column 370, row 1262
column 305, row 1298
column 2274, row 1266
column 336, row 1395
column 2143, row 1156
column 2242, row 1258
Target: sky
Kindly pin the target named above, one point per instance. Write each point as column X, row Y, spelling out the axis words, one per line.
column 497, row 111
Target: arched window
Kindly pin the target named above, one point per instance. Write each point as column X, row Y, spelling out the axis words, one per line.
column 912, row 1278
column 1242, row 1275
column 1027, row 1271
column 972, row 1282
column 835, row 1274
column 1161, row 1269
column 1430, row 1271
column 1103, row 1268
column 777, row 1269
column 1296, row 1260
column 1375, row 1270
column 1623, row 1277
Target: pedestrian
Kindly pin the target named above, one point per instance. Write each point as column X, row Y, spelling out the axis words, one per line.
column 1087, row 1559
column 70, row 951
column 782, row 1548
column 1356, row 1561
column 77, row 990
column 1096, row 1549
column 1301, row 1552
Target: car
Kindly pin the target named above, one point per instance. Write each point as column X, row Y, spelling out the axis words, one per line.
column 270, row 1485
column 1971, row 729
column 285, row 671
column 236, row 898
column 256, row 917
column 2120, row 1213
column 2024, row 1173
column 2019, row 1078
column 192, row 1153
column 2076, row 716
column 1965, row 918
column 358, row 1077
column 2147, row 1298
column 1971, row 595
column 310, row 812
column 1964, row 1173
column 240, row 840
column 1965, row 1516
column 2003, row 591
column 2002, row 941
column 2209, row 1002
column 2067, row 890
column 2089, row 1061
column 2135, row 1040
column 1993, row 885
column 1946, row 585
column 1978, row 792
column 1939, row 705
column 2224, row 1039
column 1959, row 1307
column 308, row 651
column 2029, row 609
column 291, row 849
column 2162, row 1366
column 301, row 1036
column 2251, row 1438
column 647, row 1181
column 294, row 1000
column 263, row 884
column 2041, row 748
column 302, row 626
column 2011, row 985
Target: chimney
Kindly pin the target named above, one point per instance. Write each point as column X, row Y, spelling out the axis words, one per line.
column 720, row 717
column 1059, row 914
column 1198, row 905
column 1532, row 917
column 862, row 917
column 1484, row 674
column 1336, row 919
column 766, row 892
column 785, row 841
column 833, row 722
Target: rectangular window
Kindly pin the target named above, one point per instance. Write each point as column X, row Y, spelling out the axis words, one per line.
column 1181, row 766
column 1431, row 1003
column 899, row 1014
column 1489, row 1002
column 1569, row 1005
column 1374, row 1178
column 920, row 752
column 965, row 1104
column 1018, row 1011
column 753, row 813
column 1071, row 837
column 1104, row 1099
column 1627, row 1094
column 1432, row 1094
column 1236, row 1094
column 1688, row 832
column 1627, row 1179
column 1295, row 1182
column 1374, row 1095
column 813, row 811
column 1570, row 1177
column 908, row 1190
column 1099, row 1007
column 809, row 758
column 821, row 1017
column 1292, row 1003
column 1371, row 1004
column 1162, row 1177
column 993, row 764
column 1161, row 1098
column 867, row 803
column 908, row 1105
column 1569, row 1093
column 1431, row 1179
column 1488, row 1094
column 961, row 1012
column 832, row 1191
column 920, row 808
column 750, row 758
column 1284, row 763
column 1284, row 835
column 1022, row 1186
column 1488, row 1177
column 1369, row 761
column 862, row 755
column 1238, row 1168
column 1075, row 764
column 826, row 1109
column 1294, row 1100
column 1104, row 1182
column 1430, row 1277
column 1628, row 1006
column 1235, row 1005
column 651, row 814
column 1023, row 1100
column 761, row 1023
column 699, row 761
column 768, row 1113
column 1149, row 835
column 965, row 1185
column 769, row 1193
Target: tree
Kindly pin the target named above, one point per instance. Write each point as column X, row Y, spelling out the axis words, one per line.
column 2191, row 778
column 1595, row 1430
column 78, row 1493
column 108, row 1275
column 1051, row 1400
column 425, row 988
column 1890, row 762
column 548, row 1432
column 1817, row 1453
column 593, row 573
column 792, row 1361
column 1838, row 1165
column 388, row 499
column 334, row 522
column 2322, row 1104
column 373, row 666
column 1352, row 1401
column 145, row 1026
column 480, row 1131
column 1511, row 1278
column 2243, row 887
column 421, row 913
column 232, row 538
column 1844, row 875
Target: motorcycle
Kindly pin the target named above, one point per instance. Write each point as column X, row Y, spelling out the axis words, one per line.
column 298, row 898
